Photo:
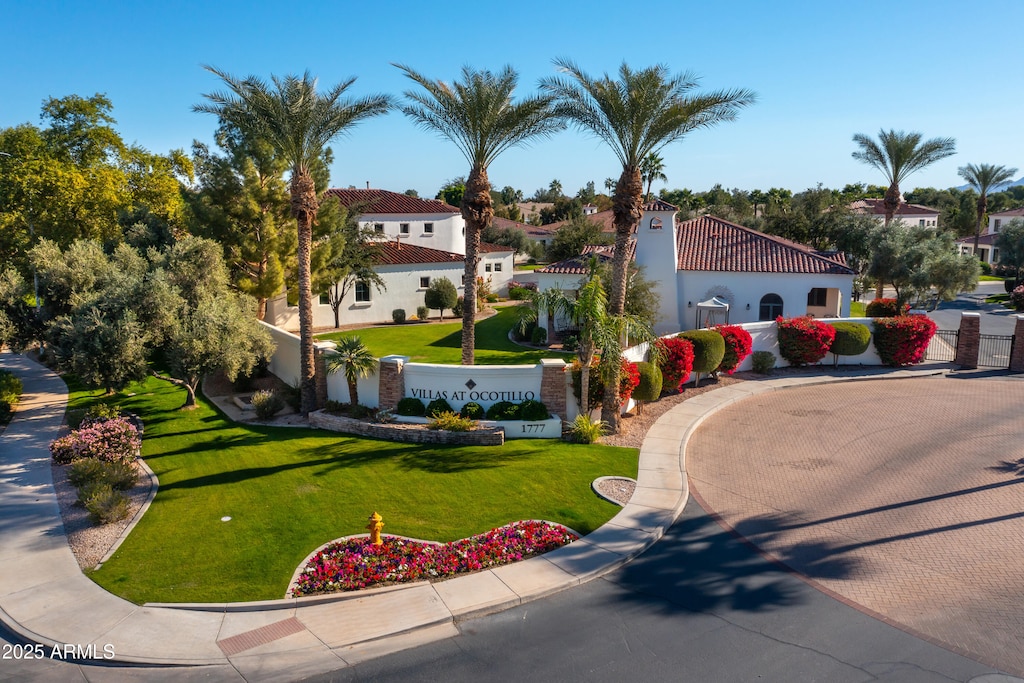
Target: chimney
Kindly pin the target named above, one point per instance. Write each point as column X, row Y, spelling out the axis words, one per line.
column 367, row 184
column 398, row 242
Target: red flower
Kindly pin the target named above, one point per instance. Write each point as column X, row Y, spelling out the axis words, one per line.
column 738, row 345
column 804, row 340
column 675, row 361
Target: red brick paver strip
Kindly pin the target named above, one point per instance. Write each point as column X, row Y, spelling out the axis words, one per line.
column 905, row 497
column 260, row 636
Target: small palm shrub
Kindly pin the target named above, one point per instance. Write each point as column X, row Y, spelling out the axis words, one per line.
column 105, row 505
column 763, row 362
column 503, row 410
column 804, row 340
column 852, row 339
column 473, row 410
column 903, row 340
column 411, row 407
column 452, row 422
column 438, row 406
column 533, row 411
column 738, row 345
column 267, row 403
column 883, row 308
column 398, row 316
column 585, row 430
column 675, row 359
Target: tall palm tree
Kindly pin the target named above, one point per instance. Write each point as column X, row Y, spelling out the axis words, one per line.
column 652, row 168
column 636, row 114
column 477, row 114
column 983, row 178
column 298, row 122
column 355, row 360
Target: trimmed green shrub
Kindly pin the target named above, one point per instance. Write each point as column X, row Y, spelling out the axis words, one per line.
column 398, row 315
column 422, row 312
column 804, row 340
column 441, row 294
column 105, row 505
column 411, row 407
column 452, row 422
column 518, row 293
column 708, row 350
column 539, row 336
column 473, row 410
column 583, row 430
column 438, row 406
column 266, row 403
column 491, row 298
column 986, row 268
column 86, row 470
column 358, row 411
column 10, row 391
column 903, row 340
column 335, row 407
column 533, row 411
column 852, row 339
column 120, row 475
column 649, row 388
column 460, row 307
column 883, row 308
column 763, row 362
column 570, row 343
column 503, row 410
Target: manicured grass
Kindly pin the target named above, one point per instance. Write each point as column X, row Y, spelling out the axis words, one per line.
column 530, row 267
column 990, row 278
column 289, row 490
column 858, row 309
column 442, row 342
column 998, row 299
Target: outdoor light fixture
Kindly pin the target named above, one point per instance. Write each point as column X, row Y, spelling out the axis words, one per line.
column 748, row 307
column 689, row 304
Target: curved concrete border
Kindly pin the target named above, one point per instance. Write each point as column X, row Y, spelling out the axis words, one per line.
column 56, row 603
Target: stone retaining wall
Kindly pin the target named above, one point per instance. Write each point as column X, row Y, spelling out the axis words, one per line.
column 406, row 433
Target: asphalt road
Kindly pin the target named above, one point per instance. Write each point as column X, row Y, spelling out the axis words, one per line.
column 995, row 318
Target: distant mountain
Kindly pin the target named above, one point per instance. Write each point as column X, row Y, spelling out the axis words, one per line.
column 1000, row 187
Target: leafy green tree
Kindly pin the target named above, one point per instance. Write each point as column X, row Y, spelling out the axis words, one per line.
column 441, row 294
column 354, row 360
column 983, row 178
column 298, row 122
column 635, row 115
column 103, row 347
column 453, row 191
column 561, row 209
column 513, row 238
column 478, row 115
column 353, row 262
column 1010, row 243
column 571, row 237
column 652, row 168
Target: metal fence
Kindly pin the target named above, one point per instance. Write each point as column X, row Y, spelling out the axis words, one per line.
column 994, row 350
column 943, row 346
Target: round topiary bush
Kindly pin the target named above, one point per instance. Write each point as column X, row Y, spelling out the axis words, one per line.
column 852, row 339
column 398, row 316
column 438, row 406
column 763, row 362
column 903, row 340
column 473, row 410
column 533, row 411
column 411, row 407
column 804, row 340
column 649, row 388
column 503, row 410
column 708, row 349
column 539, row 336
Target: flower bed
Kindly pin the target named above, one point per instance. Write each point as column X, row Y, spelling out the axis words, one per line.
column 355, row 563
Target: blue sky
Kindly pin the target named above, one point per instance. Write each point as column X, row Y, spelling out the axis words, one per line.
column 822, row 71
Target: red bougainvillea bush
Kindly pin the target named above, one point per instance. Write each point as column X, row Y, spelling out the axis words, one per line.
column 903, row 340
column 629, row 379
column 738, row 345
column 675, row 359
column 356, row 563
column 883, row 308
column 804, row 340
column 110, row 440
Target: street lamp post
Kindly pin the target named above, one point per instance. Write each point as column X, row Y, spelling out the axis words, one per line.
column 32, row 236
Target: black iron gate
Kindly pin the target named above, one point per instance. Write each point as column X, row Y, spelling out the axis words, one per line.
column 994, row 350
column 942, row 346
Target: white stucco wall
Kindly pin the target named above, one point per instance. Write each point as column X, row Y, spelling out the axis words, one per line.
column 657, row 252
column 491, row 383
column 449, row 229
column 499, row 267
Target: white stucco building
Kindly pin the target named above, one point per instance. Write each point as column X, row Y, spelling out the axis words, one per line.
column 987, row 250
column 911, row 214
column 421, row 240
column 759, row 276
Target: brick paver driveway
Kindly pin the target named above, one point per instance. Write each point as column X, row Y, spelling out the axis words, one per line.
column 905, row 497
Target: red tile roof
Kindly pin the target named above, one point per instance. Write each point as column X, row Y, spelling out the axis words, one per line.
column 383, row 201
column 394, row 252
column 659, row 205
column 605, row 219
column 988, row 239
column 488, row 248
column 709, row 243
column 877, row 208
column 1010, row 212
column 580, row 265
column 533, row 231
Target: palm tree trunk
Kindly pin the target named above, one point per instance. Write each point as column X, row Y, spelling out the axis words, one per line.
column 304, row 208
column 477, row 210
column 982, row 206
column 627, row 209
column 891, row 202
column 353, row 391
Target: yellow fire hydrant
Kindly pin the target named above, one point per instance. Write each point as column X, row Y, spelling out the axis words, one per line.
column 374, row 527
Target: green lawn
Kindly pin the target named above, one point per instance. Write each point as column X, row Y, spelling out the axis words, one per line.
column 858, row 309
column 442, row 342
column 990, row 278
column 289, row 490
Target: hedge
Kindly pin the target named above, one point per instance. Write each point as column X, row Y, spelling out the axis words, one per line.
column 649, row 388
column 738, row 345
column 852, row 339
column 804, row 340
column 708, row 349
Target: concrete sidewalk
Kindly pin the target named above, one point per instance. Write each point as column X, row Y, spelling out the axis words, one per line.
column 45, row 598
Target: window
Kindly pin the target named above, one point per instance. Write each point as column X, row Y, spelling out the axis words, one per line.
column 463, row 279
column 378, row 228
column 424, row 281
column 920, row 223
column 655, row 223
column 403, row 228
column 428, row 228
column 995, row 256
column 362, row 292
column 998, row 225
column 497, row 267
column 817, row 296
column 325, row 299
column 771, row 307
column 487, row 267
